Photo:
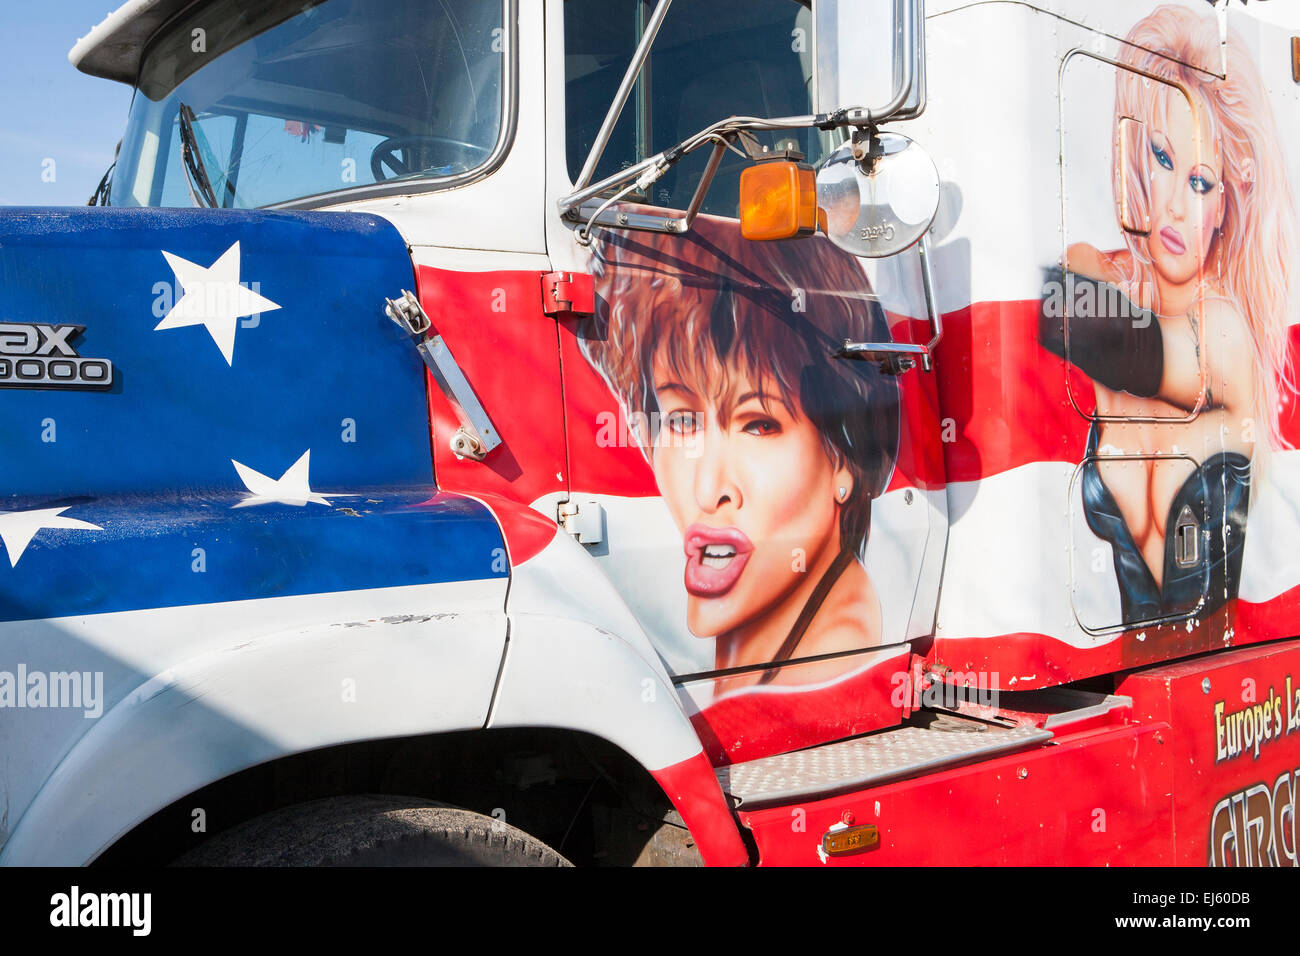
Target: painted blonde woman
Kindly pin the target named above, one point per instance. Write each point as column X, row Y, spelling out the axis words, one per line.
column 1201, row 338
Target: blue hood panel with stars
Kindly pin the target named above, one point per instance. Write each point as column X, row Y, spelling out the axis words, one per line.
column 211, row 405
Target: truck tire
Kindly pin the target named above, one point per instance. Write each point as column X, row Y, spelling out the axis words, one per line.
column 372, row 830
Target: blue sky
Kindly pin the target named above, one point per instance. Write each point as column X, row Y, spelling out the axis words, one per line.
column 48, row 110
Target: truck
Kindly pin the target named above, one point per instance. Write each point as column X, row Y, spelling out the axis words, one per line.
column 621, row 432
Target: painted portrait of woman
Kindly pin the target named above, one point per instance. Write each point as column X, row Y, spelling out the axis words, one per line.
column 767, row 450
column 1198, row 348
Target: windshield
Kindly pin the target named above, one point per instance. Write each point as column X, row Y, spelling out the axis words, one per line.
column 295, row 99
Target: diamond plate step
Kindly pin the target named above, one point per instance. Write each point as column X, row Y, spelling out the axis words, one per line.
column 869, row 761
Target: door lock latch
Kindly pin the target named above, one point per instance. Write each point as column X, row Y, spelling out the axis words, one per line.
column 1187, row 539
column 476, row 436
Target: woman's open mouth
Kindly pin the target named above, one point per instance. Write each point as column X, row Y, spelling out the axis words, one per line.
column 1173, row 241
column 715, row 558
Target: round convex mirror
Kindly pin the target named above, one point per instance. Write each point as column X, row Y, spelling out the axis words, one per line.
column 883, row 204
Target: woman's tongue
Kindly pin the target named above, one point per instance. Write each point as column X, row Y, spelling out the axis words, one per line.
column 713, row 570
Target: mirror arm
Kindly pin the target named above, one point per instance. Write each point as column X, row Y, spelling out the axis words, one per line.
column 727, row 127
column 931, row 298
column 575, row 199
column 894, row 358
column 595, row 213
column 715, row 159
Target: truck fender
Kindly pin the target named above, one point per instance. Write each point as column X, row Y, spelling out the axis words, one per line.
column 564, row 673
column 276, row 695
column 577, row 658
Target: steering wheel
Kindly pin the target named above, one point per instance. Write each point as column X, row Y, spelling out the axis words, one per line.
column 385, row 163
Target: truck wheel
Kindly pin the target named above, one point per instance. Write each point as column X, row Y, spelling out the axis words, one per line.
column 372, row 830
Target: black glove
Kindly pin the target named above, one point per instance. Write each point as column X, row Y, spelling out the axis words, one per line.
column 1112, row 339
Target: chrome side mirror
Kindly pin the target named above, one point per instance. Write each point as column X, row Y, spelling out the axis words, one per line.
column 880, row 193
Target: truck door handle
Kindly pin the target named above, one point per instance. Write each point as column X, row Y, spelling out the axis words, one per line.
column 895, row 358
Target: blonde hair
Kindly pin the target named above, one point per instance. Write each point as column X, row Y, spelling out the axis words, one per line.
column 1253, row 257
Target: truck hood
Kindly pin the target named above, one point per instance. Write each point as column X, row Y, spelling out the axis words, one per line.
column 220, row 335
column 217, row 384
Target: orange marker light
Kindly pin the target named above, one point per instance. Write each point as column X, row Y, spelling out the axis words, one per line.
column 1295, row 59
column 851, row 840
column 778, row 200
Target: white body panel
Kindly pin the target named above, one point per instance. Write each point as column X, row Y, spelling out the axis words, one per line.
column 197, row 694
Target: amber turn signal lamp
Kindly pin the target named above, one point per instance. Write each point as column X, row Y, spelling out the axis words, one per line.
column 778, row 200
column 1295, row 59
column 842, row 842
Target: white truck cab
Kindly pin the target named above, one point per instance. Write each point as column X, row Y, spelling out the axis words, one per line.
column 550, row 430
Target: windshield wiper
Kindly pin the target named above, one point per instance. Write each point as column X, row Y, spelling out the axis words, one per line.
column 196, row 174
column 100, row 197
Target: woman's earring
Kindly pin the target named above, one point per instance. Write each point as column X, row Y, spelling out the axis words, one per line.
column 844, row 493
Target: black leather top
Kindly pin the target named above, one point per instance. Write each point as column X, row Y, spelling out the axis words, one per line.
column 1218, row 493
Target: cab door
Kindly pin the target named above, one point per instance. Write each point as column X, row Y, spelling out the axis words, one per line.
column 1157, row 485
column 773, row 515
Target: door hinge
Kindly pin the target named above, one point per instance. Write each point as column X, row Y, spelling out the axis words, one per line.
column 585, row 520
column 568, row 292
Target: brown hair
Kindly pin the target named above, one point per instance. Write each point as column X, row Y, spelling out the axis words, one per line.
column 774, row 311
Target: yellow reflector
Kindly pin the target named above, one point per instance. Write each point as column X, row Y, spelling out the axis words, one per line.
column 851, row 840
column 778, row 200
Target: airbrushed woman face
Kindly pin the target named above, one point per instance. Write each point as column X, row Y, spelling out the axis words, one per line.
column 1187, row 197
column 750, row 486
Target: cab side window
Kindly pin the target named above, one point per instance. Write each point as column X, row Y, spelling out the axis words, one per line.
column 711, row 59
